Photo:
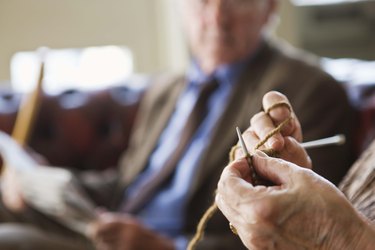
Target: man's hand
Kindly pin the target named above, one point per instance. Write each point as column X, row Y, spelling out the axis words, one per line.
column 10, row 191
column 302, row 210
column 286, row 143
column 10, row 187
column 123, row 232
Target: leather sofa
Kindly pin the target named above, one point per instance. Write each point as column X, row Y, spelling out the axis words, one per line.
column 78, row 129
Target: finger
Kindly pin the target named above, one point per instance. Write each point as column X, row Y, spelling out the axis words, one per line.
column 280, row 114
column 232, row 180
column 295, row 131
column 275, row 170
column 228, row 210
column 239, row 199
column 238, row 168
column 235, row 186
column 240, row 216
column 294, row 153
column 251, row 139
column 262, row 125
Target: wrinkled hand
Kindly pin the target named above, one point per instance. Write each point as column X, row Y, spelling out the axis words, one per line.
column 123, row 232
column 302, row 211
column 286, row 143
column 10, row 187
column 11, row 192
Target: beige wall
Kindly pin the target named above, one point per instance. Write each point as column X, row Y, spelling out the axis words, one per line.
column 172, row 51
column 142, row 25
column 26, row 25
column 286, row 28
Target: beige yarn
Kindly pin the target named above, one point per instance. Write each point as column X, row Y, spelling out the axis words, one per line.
column 213, row 208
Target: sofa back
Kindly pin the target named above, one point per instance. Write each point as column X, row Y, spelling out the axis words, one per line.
column 90, row 129
column 78, row 129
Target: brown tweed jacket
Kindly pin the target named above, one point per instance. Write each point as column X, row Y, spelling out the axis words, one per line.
column 359, row 184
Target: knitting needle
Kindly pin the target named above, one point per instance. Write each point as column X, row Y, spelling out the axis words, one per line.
column 254, row 175
column 242, row 142
column 29, row 107
column 334, row 140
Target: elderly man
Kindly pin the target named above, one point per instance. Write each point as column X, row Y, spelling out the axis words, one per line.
column 185, row 128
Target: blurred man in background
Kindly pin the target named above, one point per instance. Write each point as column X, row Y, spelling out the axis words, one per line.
column 186, row 126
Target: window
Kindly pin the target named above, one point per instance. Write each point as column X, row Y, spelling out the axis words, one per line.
column 87, row 68
column 321, row 2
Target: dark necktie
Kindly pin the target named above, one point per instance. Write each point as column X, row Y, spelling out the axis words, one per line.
column 146, row 189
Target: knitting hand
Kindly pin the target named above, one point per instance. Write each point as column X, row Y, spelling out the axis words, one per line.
column 286, row 142
column 301, row 211
column 120, row 231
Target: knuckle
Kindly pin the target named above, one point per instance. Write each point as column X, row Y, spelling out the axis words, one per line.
column 249, row 135
column 292, row 146
column 257, row 117
column 283, row 111
column 259, row 240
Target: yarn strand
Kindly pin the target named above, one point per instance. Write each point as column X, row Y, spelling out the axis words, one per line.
column 213, row 208
column 202, row 225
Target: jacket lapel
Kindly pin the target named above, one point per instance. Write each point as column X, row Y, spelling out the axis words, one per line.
column 158, row 106
column 244, row 102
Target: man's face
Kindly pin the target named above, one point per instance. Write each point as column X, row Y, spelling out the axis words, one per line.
column 224, row 31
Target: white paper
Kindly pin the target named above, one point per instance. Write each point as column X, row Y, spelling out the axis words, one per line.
column 53, row 191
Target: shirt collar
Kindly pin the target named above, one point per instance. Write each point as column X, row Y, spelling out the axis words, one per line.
column 225, row 74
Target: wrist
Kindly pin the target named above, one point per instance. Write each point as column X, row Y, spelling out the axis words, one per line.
column 366, row 240
column 354, row 234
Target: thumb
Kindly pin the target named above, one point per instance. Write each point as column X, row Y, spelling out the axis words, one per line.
column 272, row 169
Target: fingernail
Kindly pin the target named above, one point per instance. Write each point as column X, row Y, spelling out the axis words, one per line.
column 272, row 142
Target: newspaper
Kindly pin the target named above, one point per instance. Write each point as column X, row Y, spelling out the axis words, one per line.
column 52, row 191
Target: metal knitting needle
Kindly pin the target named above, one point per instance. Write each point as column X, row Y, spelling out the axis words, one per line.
column 254, row 175
column 242, row 142
column 334, row 140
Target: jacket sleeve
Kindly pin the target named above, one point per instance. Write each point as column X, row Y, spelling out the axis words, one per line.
column 325, row 111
